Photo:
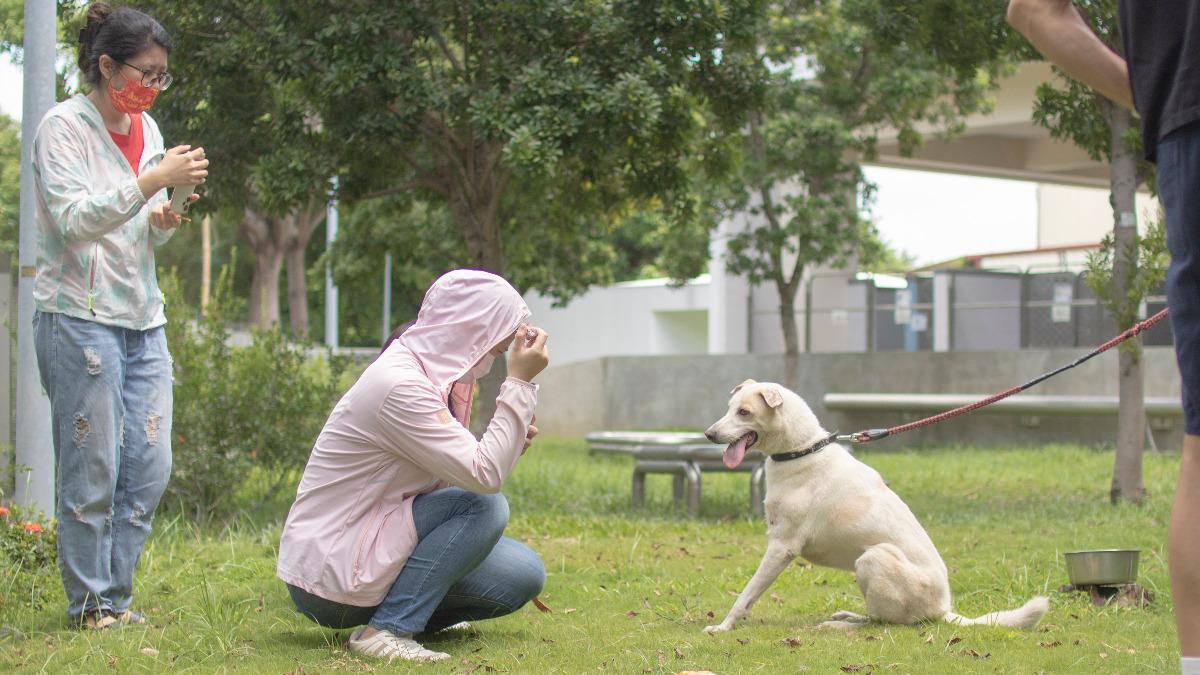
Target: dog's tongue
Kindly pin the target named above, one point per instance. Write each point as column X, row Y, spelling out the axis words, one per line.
column 736, row 451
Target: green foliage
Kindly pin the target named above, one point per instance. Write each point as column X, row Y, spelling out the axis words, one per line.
column 244, row 411
column 28, row 574
column 10, row 184
column 1147, row 254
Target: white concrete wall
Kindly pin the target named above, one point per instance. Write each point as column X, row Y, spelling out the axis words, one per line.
column 636, row 318
column 1079, row 215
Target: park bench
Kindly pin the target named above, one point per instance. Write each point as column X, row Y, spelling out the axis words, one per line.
column 683, row 455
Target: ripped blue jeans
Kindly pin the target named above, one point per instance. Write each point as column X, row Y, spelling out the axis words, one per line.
column 110, row 404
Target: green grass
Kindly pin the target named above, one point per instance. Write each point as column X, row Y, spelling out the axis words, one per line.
column 631, row 592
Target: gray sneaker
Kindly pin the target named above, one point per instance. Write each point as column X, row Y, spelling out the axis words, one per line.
column 385, row 645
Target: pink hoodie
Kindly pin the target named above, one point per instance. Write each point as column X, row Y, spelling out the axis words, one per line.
column 393, row 437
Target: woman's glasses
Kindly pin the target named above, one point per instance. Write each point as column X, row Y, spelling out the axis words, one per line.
column 160, row 81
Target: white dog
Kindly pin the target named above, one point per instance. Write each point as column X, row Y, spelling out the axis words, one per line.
column 833, row 510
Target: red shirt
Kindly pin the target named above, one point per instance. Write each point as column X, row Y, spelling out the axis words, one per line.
column 131, row 144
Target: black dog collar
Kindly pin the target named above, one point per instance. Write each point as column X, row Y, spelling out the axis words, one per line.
column 815, row 447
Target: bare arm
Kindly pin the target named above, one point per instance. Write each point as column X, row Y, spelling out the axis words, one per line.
column 1056, row 29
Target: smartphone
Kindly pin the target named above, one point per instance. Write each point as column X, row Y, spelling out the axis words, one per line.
column 181, row 197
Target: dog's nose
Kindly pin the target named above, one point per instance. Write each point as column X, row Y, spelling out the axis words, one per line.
column 710, row 435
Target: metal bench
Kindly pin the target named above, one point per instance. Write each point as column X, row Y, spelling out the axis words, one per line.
column 686, row 456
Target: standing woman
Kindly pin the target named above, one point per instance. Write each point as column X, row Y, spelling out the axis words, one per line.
column 100, row 174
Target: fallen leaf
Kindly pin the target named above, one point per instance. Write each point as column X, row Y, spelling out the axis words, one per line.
column 542, row 607
column 853, row 668
column 975, row 654
column 777, row 598
column 711, row 615
column 149, row 651
column 569, row 610
column 1047, row 627
column 872, row 638
column 743, row 642
column 678, row 654
column 792, row 641
column 696, row 672
column 1049, row 645
column 631, row 613
column 953, row 641
column 732, row 593
column 929, row 639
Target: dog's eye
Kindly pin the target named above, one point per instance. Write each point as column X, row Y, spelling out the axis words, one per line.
column 742, row 412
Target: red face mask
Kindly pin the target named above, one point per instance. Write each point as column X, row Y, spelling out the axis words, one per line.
column 134, row 98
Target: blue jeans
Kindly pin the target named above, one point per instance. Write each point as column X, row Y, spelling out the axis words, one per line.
column 462, row 569
column 110, row 404
column 1179, row 191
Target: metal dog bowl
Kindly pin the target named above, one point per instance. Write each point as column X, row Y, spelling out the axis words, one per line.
column 1102, row 567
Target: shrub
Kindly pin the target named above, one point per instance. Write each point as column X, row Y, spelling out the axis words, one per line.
column 28, row 571
column 245, row 418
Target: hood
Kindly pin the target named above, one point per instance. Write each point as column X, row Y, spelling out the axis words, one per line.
column 464, row 314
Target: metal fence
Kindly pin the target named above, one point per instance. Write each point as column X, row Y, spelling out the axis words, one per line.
column 961, row 310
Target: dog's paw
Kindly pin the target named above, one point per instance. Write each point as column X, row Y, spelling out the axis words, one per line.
column 719, row 628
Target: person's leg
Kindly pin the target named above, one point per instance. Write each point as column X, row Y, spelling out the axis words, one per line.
column 456, row 530
column 1179, row 191
column 328, row 613
column 145, row 459
column 82, row 367
column 505, row 581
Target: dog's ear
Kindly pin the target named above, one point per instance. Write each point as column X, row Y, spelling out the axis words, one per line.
column 744, row 384
column 772, row 396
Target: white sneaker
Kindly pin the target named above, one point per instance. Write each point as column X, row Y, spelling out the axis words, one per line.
column 460, row 626
column 385, row 645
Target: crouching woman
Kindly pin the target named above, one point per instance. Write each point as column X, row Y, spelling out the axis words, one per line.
column 398, row 522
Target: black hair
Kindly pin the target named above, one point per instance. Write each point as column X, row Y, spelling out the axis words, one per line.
column 121, row 33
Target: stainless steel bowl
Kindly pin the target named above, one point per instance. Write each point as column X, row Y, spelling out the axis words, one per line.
column 1102, row 567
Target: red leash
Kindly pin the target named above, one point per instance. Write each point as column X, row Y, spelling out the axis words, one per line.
column 868, row 435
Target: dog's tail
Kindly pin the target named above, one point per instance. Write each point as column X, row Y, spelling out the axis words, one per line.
column 1025, row 617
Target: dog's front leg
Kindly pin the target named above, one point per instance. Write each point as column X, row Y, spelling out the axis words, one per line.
column 774, row 561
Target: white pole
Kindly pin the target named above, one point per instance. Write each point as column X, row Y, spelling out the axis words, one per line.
column 387, row 296
column 331, row 291
column 34, row 445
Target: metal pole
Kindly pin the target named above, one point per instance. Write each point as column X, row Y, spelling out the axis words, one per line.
column 34, row 447
column 331, row 291
column 387, row 296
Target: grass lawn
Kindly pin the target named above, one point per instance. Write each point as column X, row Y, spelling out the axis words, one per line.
column 631, row 592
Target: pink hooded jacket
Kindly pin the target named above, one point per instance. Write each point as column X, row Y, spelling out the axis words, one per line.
column 393, row 436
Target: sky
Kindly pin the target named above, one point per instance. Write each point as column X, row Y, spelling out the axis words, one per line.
column 931, row 216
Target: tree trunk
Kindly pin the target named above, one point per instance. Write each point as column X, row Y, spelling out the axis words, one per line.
column 1131, row 416
column 787, row 315
column 260, row 231
column 303, row 222
column 297, row 290
column 264, row 287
